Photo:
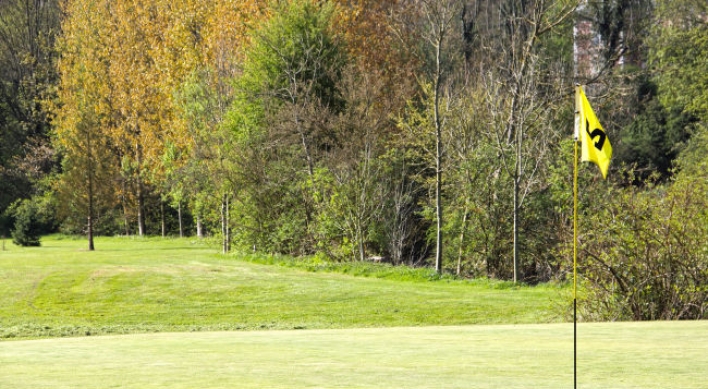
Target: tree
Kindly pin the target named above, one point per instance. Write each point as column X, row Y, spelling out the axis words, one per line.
column 89, row 164
column 653, row 141
column 146, row 52
column 677, row 55
column 28, row 29
column 519, row 106
column 281, row 121
column 296, row 61
column 27, row 231
column 441, row 17
column 351, row 185
column 204, row 169
column 370, row 204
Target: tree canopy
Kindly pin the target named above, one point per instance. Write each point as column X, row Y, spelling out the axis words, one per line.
column 423, row 132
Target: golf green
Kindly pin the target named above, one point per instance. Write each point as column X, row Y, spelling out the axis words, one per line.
column 610, row 355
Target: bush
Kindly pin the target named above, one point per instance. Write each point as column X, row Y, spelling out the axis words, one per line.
column 28, row 228
column 646, row 254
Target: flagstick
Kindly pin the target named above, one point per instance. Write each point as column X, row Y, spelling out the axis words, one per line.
column 575, row 263
column 575, row 235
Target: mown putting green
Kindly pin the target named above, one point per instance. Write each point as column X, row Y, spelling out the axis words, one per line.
column 611, row 355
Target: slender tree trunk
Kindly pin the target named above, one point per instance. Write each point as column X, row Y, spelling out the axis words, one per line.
column 90, row 174
column 518, row 173
column 226, row 238
column 223, row 224
column 462, row 240
column 308, row 157
column 438, row 159
column 141, row 207
column 514, row 137
column 228, row 228
column 124, row 203
column 303, row 138
column 163, row 221
column 89, row 221
column 179, row 217
column 126, row 221
column 200, row 230
column 89, row 233
column 516, row 228
column 360, row 241
column 140, row 190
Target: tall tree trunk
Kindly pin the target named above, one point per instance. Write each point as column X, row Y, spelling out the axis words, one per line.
column 228, row 228
column 141, row 207
column 89, row 232
column 163, row 221
column 462, row 239
column 438, row 158
column 223, row 224
column 124, row 203
column 200, row 229
column 360, row 241
column 89, row 221
column 140, row 190
column 90, row 211
column 517, row 206
column 90, row 172
column 179, row 217
column 225, row 233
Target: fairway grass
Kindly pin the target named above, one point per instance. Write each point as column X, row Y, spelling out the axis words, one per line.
column 611, row 355
column 141, row 285
column 325, row 330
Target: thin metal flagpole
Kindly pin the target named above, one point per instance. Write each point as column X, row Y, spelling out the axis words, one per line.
column 575, row 267
column 575, row 239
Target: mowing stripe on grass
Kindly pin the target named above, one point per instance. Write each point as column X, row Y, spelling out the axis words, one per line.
column 148, row 285
column 611, row 355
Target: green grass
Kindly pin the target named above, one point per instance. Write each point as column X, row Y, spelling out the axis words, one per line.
column 133, row 285
column 611, row 355
column 330, row 326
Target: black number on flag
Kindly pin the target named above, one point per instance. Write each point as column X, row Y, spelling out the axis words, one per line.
column 596, row 132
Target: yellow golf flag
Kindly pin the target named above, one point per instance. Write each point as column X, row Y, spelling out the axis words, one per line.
column 595, row 146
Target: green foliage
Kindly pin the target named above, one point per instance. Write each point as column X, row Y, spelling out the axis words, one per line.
column 359, row 268
column 280, row 125
column 678, row 53
column 655, row 138
column 301, row 134
column 645, row 253
column 32, row 218
column 26, row 231
column 296, row 54
column 28, row 30
column 692, row 160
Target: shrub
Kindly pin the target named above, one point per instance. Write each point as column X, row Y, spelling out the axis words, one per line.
column 646, row 256
column 27, row 228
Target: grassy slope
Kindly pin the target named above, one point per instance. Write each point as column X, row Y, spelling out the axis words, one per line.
column 611, row 355
column 145, row 285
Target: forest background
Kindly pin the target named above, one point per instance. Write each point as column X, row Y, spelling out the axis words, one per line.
column 418, row 132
